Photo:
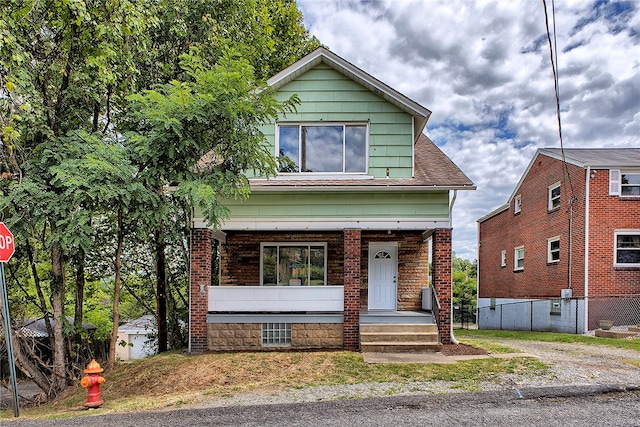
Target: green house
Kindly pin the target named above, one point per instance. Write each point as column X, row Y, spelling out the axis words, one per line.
column 349, row 246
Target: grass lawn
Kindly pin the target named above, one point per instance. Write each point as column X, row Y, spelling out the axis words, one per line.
column 475, row 335
column 172, row 380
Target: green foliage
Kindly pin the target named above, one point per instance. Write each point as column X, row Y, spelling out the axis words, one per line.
column 465, row 275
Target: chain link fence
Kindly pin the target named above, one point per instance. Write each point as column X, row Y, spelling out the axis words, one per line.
column 561, row 314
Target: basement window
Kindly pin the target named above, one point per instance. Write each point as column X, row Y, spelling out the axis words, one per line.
column 276, row 334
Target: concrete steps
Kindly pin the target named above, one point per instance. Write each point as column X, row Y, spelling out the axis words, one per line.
column 399, row 338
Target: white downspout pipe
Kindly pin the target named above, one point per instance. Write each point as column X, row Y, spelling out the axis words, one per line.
column 586, row 250
column 453, row 200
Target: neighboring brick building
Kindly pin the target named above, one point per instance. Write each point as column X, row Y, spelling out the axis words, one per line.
column 535, row 245
column 343, row 235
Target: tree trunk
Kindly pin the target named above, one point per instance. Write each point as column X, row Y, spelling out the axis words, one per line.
column 59, row 380
column 80, row 282
column 161, row 288
column 116, row 293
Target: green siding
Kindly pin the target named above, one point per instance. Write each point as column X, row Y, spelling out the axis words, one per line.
column 327, row 95
column 342, row 205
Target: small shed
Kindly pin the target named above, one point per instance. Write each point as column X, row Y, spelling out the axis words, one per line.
column 137, row 339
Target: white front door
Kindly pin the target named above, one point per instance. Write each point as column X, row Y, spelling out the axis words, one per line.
column 383, row 270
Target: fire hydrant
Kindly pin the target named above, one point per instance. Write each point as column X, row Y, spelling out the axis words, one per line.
column 92, row 383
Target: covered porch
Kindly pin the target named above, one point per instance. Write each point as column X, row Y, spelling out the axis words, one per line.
column 343, row 302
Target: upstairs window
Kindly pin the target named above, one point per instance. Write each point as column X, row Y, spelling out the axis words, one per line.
column 503, row 258
column 623, row 183
column 553, row 249
column 517, row 204
column 627, row 248
column 554, row 196
column 322, row 148
column 518, row 258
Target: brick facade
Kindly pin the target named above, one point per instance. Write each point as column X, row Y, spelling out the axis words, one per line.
column 535, row 224
column 351, row 314
column 442, row 280
column 607, row 214
column 200, row 275
column 347, row 265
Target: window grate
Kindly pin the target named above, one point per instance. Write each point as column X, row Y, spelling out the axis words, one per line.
column 276, row 334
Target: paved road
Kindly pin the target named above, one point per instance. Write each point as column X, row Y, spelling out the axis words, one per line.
column 565, row 406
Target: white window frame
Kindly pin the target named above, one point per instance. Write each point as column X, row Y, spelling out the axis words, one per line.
column 320, row 124
column 503, row 258
column 517, row 204
column 281, row 244
column 551, row 199
column 550, row 251
column 624, row 185
column 634, row 232
column 516, row 266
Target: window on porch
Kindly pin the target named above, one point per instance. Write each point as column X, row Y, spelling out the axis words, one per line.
column 293, row 264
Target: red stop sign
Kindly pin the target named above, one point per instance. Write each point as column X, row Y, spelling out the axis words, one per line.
column 7, row 248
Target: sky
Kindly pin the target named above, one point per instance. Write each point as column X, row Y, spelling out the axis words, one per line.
column 484, row 70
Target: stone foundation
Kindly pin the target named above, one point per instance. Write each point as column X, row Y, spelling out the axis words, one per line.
column 248, row 336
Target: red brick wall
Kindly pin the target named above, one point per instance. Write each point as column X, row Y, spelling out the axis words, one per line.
column 531, row 228
column 351, row 314
column 442, row 280
column 606, row 214
column 240, row 255
column 200, row 274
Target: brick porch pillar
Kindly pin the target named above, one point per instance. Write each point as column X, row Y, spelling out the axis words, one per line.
column 351, row 323
column 442, row 280
column 200, row 274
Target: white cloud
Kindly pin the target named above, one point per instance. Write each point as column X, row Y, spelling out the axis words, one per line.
column 483, row 69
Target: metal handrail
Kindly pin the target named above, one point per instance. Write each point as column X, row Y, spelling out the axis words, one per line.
column 436, row 306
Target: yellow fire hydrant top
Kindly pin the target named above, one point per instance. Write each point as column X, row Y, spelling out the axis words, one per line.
column 93, row 368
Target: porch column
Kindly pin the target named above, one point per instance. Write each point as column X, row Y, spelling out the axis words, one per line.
column 442, row 280
column 351, row 322
column 200, row 275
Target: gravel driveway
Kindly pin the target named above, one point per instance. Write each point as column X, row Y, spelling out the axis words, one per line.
column 573, row 364
column 569, row 364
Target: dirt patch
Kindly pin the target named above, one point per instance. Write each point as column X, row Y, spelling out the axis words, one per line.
column 461, row 350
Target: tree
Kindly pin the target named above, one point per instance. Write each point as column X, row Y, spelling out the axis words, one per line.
column 85, row 161
column 64, row 68
column 465, row 275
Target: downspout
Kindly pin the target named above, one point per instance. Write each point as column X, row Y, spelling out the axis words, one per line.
column 189, row 273
column 453, row 200
column 586, row 250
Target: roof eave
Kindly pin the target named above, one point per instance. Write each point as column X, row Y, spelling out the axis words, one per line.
column 365, row 188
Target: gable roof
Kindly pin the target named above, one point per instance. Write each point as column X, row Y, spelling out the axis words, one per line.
column 433, row 170
column 596, row 157
column 325, row 56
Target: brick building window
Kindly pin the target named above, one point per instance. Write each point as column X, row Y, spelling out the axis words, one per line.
column 627, row 248
column 624, row 183
column 553, row 249
column 517, row 204
column 503, row 258
column 293, row 264
column 518, row 258
column 554, row 196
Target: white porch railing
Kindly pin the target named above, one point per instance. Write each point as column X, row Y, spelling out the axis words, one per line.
column 281, row 299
